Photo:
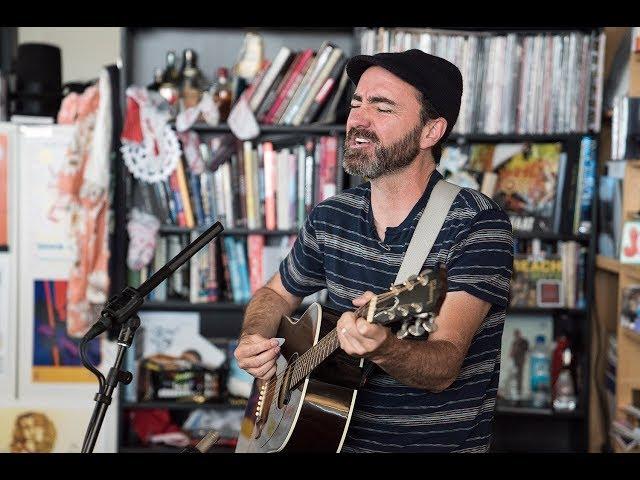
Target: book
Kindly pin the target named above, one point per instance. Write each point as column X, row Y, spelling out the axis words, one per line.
column 325, row 91
column 280, row 62
column 609, row 216
column 280, row 82
column 316, row 85
column 184, row 195
column 537, row 281
column 297, row 70
column 526, row 187
column 255, row 251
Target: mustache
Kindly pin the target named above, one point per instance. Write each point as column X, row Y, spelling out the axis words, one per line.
column 360, row 132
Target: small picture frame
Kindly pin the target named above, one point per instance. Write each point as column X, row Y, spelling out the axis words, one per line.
column 630, row 243
column 549, row 293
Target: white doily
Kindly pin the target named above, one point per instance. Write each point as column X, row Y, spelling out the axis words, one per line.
column 148, row 167
column 156, row 157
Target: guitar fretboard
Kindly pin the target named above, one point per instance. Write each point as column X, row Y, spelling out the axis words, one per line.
column 313, row 357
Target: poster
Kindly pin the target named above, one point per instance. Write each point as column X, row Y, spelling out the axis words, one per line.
column 43, row 429
column 56, row 355
column 4, row 317
column 4, row 191
column 49, row 221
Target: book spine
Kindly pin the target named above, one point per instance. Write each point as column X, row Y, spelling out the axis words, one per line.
column 234, row 262
column 197, row 198
column 259, row 156
column 184, row 195
column 289, row 95
column 218, row 178
column 249, row 180
column 288, row 84
column 301, row 186
column 243, row 270
column 309, row 176
column 239, row 182
column 255, row 249
column 293, row 188
column 331, row 154
column 270, row 179
column 227, row 291
column 212, row 291
column 283, row 190
column 177, row 199
column 228, row 195
column 588, row 186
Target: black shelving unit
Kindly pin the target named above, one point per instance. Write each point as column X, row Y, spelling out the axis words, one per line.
column 143, row 49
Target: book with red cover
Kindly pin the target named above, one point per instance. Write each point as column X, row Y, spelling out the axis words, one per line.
column 281, row 104
column 255, row 248
column 278, row 85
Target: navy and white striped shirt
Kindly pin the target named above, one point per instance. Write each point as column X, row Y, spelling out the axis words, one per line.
column 339, row 249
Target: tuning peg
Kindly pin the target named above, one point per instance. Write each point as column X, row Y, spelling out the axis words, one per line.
column 422, row 280
column 417, row 330
column 403, row 312
column 403, row 332
column 417, row 308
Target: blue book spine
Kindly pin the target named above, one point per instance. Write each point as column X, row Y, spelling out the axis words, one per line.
column 197, row 199
column 234, row 271
column 244, row 270
column 173, row 213
column 588, row 185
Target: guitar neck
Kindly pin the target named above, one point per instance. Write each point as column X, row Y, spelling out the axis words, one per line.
column 313, row 357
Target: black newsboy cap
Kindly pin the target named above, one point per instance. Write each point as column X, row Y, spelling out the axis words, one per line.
column 439, row 80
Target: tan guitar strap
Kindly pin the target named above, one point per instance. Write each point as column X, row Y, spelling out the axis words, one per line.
column 427, row 229
column 424, row 236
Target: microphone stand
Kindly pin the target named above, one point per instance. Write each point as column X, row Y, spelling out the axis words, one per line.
column 122, row 310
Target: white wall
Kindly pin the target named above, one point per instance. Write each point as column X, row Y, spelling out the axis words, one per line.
column 84, row 49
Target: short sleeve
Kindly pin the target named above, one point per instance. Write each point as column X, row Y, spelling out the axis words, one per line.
column 302, row 271
column 481, row 261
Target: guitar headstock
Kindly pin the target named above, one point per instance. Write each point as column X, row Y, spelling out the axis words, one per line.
column 418, row 296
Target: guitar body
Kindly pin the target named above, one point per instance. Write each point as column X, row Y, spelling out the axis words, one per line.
column 314, row 416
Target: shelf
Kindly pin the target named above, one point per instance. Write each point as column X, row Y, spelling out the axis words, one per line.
column 532, row 310
column 268, row 129
column 177, row 305
column 615, row 266
column 551, row 236
column 632, row 334
column 176, row 405
column 515, row 137
column 608, row 263
column 172, row 229
column 508, row 410
column 187, row 306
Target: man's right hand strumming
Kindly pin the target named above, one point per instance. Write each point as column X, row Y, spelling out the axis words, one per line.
column 257, row 355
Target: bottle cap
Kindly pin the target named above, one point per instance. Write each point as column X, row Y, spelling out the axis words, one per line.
column 540, row 339
column 223, row 72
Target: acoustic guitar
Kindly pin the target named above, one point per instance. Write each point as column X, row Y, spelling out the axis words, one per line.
column 306, row 406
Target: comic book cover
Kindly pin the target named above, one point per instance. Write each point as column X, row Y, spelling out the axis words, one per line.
column 527, row 187
column 537, row 281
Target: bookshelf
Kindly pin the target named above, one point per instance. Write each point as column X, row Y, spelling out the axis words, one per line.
column 143, row 49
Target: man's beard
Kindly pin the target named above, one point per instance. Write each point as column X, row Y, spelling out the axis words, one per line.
column 385, row 159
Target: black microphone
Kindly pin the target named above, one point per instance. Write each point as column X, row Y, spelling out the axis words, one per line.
column 205, row 444
column 120, row 307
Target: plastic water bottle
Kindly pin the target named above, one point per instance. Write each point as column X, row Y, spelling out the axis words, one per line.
column 540, row 374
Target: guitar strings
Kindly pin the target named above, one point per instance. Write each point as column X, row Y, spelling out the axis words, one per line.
column 273, row 381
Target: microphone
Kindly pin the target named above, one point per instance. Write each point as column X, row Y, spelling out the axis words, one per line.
column 122, row 306
column 205, row 444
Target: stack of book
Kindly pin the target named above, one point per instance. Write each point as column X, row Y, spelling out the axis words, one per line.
column 535, row 183
column 264, row 186
column 550, row 277
column 230, row 269
column 514, row 83
column 299, row 87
